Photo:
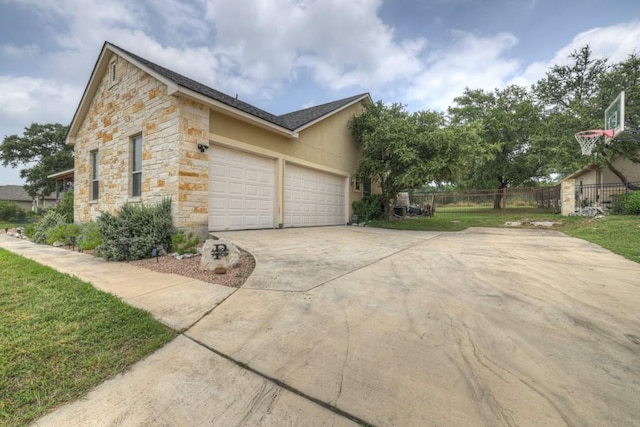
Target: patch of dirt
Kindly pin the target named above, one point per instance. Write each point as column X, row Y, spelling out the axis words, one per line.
column 190, row 267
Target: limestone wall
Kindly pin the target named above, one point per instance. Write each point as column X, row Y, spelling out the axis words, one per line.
column 172, row 166
column 568, row 191
column 193, row 167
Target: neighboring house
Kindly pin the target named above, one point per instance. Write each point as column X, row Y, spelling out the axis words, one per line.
column 596, row 186
column 64, row 182
column 143, row 132
column 18, row 195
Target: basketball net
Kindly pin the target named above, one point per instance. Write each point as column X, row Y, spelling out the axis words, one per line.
column 589, row 138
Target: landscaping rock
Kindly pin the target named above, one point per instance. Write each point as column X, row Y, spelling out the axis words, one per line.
column 543, row 223
column 513, row 224
column 220, row 270
column 230, row 260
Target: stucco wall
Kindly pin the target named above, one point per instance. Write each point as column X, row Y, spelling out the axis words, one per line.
column 627, row 167
column 327, row 145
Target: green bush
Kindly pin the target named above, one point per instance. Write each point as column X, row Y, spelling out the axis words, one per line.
column 184, row 243
column 627, row 204
column 90, row 237
column 369, row 208
column 11, row 212
column 63, row 233
column 43, row 228
column 65, row 206
column 135, row 231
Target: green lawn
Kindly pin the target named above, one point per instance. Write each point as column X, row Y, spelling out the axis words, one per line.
column 60, row 337
column 618, row 233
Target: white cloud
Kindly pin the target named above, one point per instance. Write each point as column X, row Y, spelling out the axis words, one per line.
column 18, row 52
column 615, row 42
column 474, row 62
column 273, row 40
column 27, row 99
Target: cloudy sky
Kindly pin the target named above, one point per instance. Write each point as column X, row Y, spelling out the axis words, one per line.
column 283, row 55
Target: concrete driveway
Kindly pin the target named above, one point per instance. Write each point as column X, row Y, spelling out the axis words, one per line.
column 483, row 327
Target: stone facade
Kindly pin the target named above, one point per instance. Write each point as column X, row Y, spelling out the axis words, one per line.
column 568, row 192
column 135, row 103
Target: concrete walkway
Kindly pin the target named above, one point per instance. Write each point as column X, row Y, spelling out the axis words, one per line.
column 176, row 301
column 343, row 325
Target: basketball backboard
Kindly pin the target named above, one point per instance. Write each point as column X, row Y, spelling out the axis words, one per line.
column 614, row 118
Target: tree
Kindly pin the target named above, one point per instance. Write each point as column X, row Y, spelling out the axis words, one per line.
column 622, row 76
column 42, row 150
column 575, row 97
column 403, row 151
column 509, row 121
column 567, row 95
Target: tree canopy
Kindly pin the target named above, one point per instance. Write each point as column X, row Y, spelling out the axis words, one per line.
column 507, row 137
column 402, row 150
column 41, row 150
column 509, row 121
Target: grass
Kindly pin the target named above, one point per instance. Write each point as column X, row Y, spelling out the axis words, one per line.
column 618, row 233
column 60, row 337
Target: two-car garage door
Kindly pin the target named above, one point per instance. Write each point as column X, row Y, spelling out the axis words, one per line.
column 242, row 193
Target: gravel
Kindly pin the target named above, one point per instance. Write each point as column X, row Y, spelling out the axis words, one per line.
column 190, row 267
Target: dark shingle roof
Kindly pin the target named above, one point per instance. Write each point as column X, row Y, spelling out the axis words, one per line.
column 301, row 117
column 290, row 121
column 14, row 193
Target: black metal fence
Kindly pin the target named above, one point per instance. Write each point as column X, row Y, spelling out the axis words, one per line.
column 544, row 199
column 601, row 196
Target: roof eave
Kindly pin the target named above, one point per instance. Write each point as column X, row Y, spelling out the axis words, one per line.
column 241, row 115
column 172, row 89
column 331, row 113
column 61, row 174
column 88, row 93
column 582, row 171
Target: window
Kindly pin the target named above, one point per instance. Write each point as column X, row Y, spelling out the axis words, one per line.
column 357, row 185
column 95, row 187
column 113, row 71
column 366, row 187
column 136, row 166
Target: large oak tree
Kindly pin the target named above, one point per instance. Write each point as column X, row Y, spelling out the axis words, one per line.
column 40, row 151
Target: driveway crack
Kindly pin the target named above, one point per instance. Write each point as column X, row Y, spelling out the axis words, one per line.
column 282, row 384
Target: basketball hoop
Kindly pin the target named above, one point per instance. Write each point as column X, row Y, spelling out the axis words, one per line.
column 589, row 138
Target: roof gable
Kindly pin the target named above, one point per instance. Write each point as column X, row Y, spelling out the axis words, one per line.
column 290, row 123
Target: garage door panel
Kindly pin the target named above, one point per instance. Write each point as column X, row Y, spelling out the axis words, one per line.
column 313, row 197
column 241, row 190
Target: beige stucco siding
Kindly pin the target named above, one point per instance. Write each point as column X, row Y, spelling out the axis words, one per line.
column 327, row 146
column 627, row 167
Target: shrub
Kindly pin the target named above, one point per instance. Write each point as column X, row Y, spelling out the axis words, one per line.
column 45, row 226
column 63, row 233
column 184, row 243
column 369, row 207
column 90, row 237
column 11, row 212
column 135, row 231
column 627, row 204
column 65, row 206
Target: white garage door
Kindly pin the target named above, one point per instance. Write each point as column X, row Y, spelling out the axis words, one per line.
column 241, row 190
column 312, row 197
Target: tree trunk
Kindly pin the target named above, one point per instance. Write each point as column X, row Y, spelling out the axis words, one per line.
column 622, row 178
column 497, row 201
